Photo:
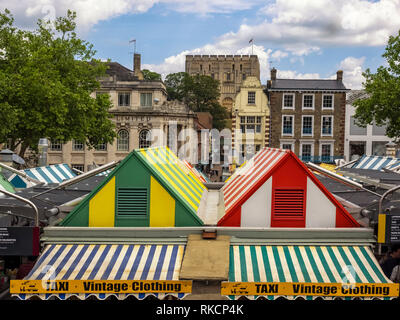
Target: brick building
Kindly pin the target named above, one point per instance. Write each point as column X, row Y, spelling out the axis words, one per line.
column 308, row 116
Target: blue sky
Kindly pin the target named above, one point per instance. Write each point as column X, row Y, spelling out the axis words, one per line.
column 302, row 39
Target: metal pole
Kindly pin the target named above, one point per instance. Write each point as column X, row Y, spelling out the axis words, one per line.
column 384, row 196
column 347, row 163
column 83, row 176
column 30, row 203
column 20, row 173
column 339, row 178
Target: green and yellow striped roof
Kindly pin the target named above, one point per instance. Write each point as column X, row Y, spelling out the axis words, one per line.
column 169, row 169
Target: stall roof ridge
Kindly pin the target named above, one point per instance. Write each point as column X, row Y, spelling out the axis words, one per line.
column 239, row 235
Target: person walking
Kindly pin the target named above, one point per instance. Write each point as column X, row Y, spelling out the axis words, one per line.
column 395, row 277
column 392, row 261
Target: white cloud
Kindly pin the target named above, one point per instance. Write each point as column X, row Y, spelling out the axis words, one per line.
column 176, row 63
column 347, row 22
column 90, row 12
column 352, row 72
column 291, row 74
column 303, row 27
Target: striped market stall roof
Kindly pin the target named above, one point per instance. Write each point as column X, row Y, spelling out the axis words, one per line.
column 168, row 168
column 55, row 173
column 376, row 162
column 303, row 264
column 107, row 262
column 242, row 181
column 5, row 185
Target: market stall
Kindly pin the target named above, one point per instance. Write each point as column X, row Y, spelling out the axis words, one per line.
column 275, row 189
column 104, row 270
column 293, row 271
column 48, row 174
column 150, row 187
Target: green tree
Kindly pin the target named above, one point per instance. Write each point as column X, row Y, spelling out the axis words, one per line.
column 150, row 75
column 383, row 88
column 47, row 77
column 200, row 93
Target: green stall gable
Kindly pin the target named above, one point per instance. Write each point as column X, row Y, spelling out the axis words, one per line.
column 132, row 183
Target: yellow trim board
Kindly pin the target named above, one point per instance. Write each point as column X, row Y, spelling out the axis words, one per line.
column 382, row 228
column 99, row 286
column 162, row 206
column 102, row 206
column 310, row 289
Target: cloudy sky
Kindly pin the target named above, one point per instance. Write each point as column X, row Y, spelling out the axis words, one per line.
column 301, row 38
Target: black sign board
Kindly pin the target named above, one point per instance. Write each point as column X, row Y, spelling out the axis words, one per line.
column 19, row 241
column 393, row 228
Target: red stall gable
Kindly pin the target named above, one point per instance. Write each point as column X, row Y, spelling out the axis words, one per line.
column 282, row 201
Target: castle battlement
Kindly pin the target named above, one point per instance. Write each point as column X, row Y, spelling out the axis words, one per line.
column 220, row 57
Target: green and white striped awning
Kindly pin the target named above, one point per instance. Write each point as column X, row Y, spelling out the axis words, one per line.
column 303, row 264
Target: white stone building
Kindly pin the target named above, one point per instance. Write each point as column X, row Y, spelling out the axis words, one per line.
column 371, row 140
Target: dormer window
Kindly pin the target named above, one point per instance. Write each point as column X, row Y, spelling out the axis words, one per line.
column 251, row 97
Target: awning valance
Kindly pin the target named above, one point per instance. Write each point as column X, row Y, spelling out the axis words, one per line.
column 288, row 265
column 107, row 262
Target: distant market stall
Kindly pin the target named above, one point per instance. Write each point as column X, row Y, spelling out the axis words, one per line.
column 48, row 174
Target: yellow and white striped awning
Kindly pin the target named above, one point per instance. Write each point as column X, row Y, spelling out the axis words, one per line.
column 107, row 262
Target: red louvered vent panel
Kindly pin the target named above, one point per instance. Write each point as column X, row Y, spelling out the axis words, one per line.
column 288, row 203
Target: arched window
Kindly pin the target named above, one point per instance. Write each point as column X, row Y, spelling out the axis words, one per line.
column 123, row 140
column 144, row 139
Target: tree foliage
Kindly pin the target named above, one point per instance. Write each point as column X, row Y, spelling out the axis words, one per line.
column 151, row 75
column 383, row 87
column 199, row 92
column 47, row 77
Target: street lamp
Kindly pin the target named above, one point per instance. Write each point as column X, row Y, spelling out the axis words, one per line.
column 43, row 147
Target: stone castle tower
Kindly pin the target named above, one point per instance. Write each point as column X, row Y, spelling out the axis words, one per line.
column 230, row 70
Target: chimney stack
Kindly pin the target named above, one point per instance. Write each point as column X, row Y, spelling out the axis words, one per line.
column 339, row 75
column 273, row 74
column 136, row 64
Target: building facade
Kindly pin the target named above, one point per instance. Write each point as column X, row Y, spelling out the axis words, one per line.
column 250, row 117
column 140, row 108
column 370, row 141
column 230, row 70
column 308, row 116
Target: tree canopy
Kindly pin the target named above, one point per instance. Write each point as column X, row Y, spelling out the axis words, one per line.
column 47, row 76
column 199, row 92
column 151, row 75
column 383, row 88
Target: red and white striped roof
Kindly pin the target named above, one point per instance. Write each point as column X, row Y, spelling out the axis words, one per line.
column 194, row 171
column 247, row 177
